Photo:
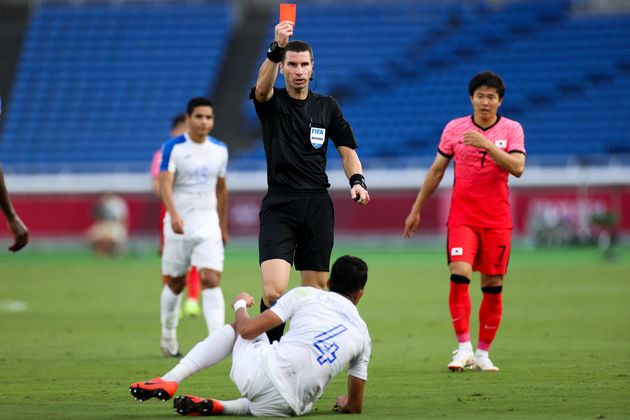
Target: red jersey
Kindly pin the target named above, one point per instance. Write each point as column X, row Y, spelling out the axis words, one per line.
column 480, row 190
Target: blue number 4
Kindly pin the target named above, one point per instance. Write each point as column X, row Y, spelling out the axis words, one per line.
column 327, row 348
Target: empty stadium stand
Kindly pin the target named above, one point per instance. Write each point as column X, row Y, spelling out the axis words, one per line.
column 567, row 76
column 97, row 84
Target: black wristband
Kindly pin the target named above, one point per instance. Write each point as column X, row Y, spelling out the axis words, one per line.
column 275, row 52
column 357, row 179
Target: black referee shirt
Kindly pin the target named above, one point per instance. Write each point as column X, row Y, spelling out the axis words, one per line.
column 295, row 136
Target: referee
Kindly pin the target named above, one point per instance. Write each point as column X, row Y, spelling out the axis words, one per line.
column 297, row 215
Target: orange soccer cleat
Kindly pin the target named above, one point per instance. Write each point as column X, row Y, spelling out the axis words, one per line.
column 189, row 405
column 153, row 388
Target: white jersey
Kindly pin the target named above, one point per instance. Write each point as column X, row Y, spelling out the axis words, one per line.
column 316, row 348
column 197, row 167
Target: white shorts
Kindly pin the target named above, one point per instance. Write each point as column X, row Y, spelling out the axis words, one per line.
column 178, row 255
column 250, row 377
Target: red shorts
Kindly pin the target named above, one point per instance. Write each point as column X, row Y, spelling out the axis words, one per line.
column 486, row 249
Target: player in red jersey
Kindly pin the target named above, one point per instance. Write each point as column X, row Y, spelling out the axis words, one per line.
column 486, row 147
column 193, row 282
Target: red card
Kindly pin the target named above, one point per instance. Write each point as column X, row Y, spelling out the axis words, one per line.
column 288, row 12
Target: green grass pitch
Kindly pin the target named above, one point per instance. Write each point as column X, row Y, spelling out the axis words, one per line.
column 76, row 330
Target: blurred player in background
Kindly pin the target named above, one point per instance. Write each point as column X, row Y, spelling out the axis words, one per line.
column 296, row 215
column 109, row 233
column 487, row 148
column 282, row 379
column 194, row 191
column 193, row 283
column 15, row 224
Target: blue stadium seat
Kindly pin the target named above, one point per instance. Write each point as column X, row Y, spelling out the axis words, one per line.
column 400, row 70
column 102, row 82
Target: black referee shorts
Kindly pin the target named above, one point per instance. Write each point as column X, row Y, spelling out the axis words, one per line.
column 297, row 227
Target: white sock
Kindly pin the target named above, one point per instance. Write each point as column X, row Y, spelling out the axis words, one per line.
column 238, row 407
column 481, row 353
column 466, row 346
column 169, row 310
column 206, row 353
column 213, row 306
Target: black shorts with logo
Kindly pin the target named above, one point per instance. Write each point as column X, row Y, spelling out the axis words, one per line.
column 297, row 227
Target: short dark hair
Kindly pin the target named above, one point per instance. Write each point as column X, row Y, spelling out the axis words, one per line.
column 297, row 46
column 488, row 79
column 177, row 120
column 348, row 275
column 198, row 101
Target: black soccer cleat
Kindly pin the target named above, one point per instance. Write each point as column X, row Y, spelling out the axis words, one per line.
column 188, row 405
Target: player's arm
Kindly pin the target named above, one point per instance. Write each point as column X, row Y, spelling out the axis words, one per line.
column 269, row 69
column 353, row 402
column 167, row 178
column 155, row 173
column 222, row 208
column 514, row 163
column 250, row 328
column 354, row 171
column 431, row 182
column 16, row 226
column 155, row 186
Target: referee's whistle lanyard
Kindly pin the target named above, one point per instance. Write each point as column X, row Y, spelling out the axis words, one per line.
column 317, row 125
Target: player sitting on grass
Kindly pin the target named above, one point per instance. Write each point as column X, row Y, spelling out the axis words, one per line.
column 286, row 377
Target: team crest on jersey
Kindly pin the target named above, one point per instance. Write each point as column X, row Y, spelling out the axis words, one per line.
column 457, row 251
column 501, row 144
column 318, row 135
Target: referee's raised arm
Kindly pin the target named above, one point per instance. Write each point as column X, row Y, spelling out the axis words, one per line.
column 269, row 68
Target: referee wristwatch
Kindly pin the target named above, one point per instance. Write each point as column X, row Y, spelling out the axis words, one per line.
column 360, row 180
column 275, row 51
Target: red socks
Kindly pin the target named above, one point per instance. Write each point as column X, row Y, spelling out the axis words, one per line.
column 194, row 284
column 459, row 305
column 489, row 315
column 489, row 312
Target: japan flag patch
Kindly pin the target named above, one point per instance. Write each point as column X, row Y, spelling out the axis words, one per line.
column 457, row 251
column 501, row 144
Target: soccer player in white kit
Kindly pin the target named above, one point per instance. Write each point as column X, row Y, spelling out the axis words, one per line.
column 194, row 192
column 282, row 379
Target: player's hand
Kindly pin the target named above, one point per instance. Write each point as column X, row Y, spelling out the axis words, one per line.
column 20, row 234
column 411, row 225
column 284, row 30
column 475, row 139
column 177, row 223
column 224, row 237
column 359, row 194
column 246, row 297
column 341, row 403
